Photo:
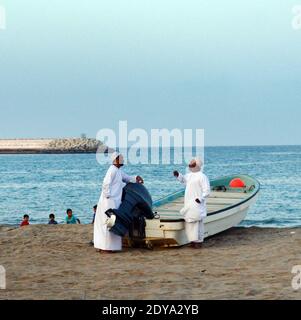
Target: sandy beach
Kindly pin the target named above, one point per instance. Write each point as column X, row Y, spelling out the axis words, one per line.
column 56, row 262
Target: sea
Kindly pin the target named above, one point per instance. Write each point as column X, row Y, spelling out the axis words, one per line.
column 38, row 185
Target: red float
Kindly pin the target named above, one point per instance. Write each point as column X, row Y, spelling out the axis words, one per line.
column 237, row 183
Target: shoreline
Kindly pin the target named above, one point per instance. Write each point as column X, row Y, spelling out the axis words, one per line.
column 3, row 225
column 56, row 262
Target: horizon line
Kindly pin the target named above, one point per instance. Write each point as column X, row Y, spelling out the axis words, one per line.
column 206, row 146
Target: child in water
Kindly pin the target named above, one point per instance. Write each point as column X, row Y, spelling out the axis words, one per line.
column 25, row 221
column 94, row 213
column 71, row 218
column 52, row 219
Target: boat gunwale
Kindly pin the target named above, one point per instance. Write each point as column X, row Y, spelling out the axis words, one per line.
column 177, row 194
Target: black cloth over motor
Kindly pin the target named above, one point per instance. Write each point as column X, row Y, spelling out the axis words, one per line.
column 135, row 207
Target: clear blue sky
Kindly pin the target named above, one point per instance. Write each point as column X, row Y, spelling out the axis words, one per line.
column 231, row 67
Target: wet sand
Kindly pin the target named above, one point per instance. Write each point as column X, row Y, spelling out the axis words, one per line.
column 56, row 262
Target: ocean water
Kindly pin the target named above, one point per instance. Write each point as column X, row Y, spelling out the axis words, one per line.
column 42, row 184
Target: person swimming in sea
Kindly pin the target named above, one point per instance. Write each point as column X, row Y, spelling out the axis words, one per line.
column 52, row 219
column 25, row 221
column 71, row 218
column 94, row 213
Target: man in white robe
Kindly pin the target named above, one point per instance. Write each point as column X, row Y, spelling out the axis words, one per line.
column 196, row 192
column 110, row 198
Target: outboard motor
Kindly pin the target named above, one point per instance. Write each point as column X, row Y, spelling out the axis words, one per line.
column 135, row 207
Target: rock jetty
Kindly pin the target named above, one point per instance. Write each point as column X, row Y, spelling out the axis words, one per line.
column 65, row 145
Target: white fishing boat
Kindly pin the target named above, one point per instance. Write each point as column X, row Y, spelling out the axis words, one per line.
column 227, row 207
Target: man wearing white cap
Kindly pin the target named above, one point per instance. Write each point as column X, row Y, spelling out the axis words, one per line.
column 194, row 211
column 110, row 198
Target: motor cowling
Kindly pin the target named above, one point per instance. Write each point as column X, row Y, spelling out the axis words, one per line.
column 136, row 205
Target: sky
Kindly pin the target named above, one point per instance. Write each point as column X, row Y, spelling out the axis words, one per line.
column 230, row 67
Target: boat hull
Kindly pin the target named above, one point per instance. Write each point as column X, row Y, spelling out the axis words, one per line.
column 174, row 231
